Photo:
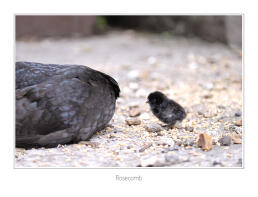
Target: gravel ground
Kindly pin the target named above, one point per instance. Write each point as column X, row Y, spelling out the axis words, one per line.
column 205, row 78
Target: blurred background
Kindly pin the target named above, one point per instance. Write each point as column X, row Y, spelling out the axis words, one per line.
column 224, row 29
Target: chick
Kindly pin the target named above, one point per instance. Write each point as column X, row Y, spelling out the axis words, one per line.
column 165, row 109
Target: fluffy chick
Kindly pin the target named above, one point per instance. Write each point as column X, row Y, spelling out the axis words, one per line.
column 165, row 109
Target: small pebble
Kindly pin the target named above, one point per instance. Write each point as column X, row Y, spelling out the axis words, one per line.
column 166, row 141
column 236, row 138
column 238, row 123
column 235, row 129
column 168, row 149
column 172, row 159
column 134, row 111
column 190, row 129
column 238, row 114
column 133, row 121
column 153, row 127
column 145, row 147
column 189, row 142
column 225, row 141
column 221, row 107
column 154, row 161
column 205, row 142
column 208, row 96
column 215, row 163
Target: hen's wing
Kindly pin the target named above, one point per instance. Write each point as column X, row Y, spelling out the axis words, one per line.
column 76, row 99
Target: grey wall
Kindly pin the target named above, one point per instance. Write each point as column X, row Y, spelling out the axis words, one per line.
column 41, row 26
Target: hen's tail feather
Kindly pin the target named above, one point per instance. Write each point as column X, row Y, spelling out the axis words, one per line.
column 27, row 142
column 48, row 141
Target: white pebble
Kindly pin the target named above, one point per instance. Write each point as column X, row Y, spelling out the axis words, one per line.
column 166, row 140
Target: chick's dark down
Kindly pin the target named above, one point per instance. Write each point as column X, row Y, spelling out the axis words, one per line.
column 165, row 109
column 61, row 104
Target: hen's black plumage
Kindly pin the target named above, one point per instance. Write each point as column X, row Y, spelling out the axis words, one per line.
column 60, row 104
column 165, row 109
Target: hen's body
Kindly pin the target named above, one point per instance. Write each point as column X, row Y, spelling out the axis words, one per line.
column 59, row 104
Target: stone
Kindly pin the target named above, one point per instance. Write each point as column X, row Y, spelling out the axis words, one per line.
column 238, row 114
column 19, row 152
column 240, row 161
column 217, row 163
column 199, row 108
column 235, row 129
column 166, row 150
column 166, row 141
column 238, row 123
column 153, row 127
column 207, row 96
column 172, row 159
column 225, row 141
column 154, row 161
column 133, row 121
column 205, row 142
column 221, row 107
column 236, row 138
column 145, row 74
column 189, row 142
column 134, row 111
column 190, row 129
column 145, row 147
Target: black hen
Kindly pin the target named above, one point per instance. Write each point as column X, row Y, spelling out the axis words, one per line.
column 61, row 104
column 165, row 109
